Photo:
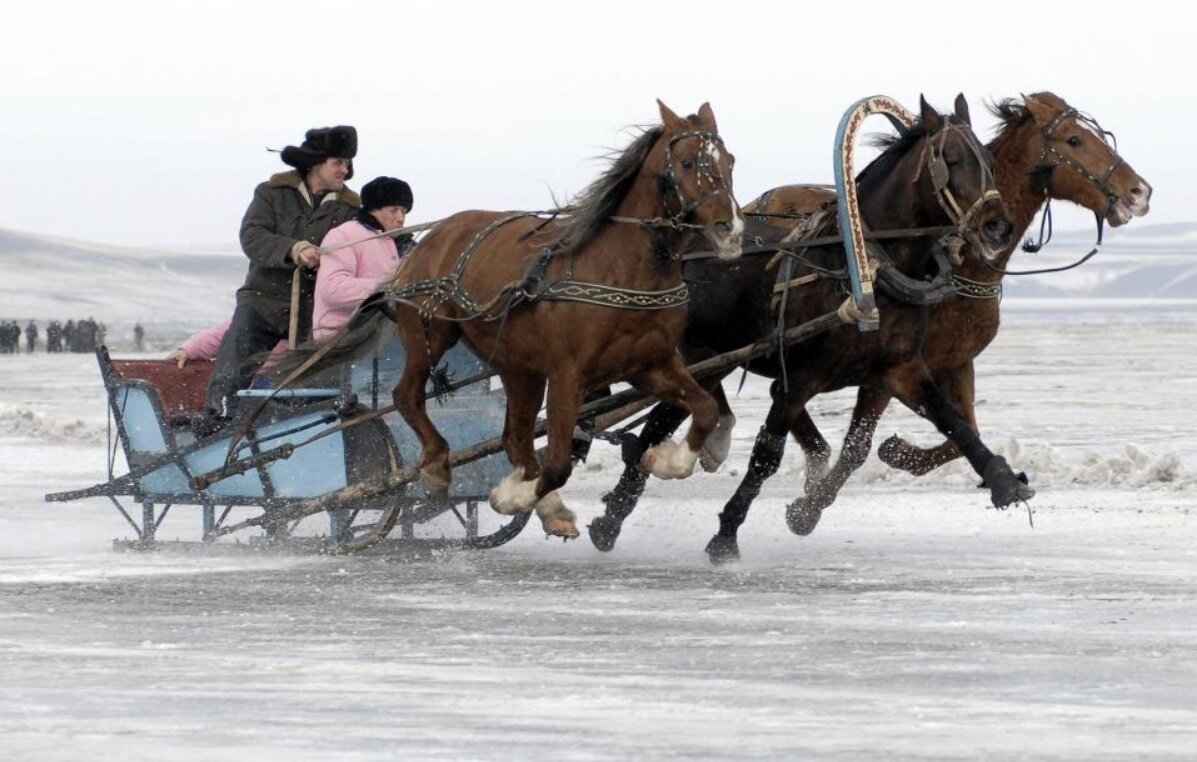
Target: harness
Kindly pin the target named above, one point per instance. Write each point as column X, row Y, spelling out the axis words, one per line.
column 535, row 286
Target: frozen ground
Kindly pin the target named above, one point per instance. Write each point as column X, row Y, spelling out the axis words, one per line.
column 914, row 623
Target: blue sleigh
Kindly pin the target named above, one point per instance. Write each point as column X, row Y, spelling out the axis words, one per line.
column 297, row 453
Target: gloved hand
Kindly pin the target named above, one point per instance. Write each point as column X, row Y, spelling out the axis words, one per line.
column 306, row 254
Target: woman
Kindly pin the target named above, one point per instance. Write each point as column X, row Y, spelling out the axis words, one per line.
column 355, row 258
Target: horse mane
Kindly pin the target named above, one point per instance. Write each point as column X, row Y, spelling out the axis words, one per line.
column 1010, row 112
column 893, row 148
column 593, row 208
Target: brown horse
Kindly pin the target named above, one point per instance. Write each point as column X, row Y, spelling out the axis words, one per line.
column 1044, row 150
column 570, row 303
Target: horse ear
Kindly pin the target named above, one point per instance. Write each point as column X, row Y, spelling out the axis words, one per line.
column 672, row 121
column 962, row 110
column 707, row 117
column 929, row 116
column 1042, row 111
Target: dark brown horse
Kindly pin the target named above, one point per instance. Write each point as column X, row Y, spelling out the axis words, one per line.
column 1044, row 150
column 570, row 303
column 898, row 190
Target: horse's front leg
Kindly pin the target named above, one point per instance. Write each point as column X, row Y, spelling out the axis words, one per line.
column 662, row 421
column 673, row 384
column 765, row 459
column 718, row 445
column 517, row 492
column 804, row 513
column 958, row 385
column 920, row 394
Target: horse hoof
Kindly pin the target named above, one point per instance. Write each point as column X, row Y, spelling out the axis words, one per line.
column 563, row 528
column 669, row 460
column 718, row 445
column 557, row 520
column 723, row 550
column 1005, row 487
column 436, row 487
column 894, row 452
column 514, row 494
column 802, row 516
column 604, row 531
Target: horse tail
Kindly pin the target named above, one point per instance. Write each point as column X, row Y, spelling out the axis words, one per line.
column 361, row 333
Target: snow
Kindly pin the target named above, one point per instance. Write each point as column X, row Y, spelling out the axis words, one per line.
column 914, row 623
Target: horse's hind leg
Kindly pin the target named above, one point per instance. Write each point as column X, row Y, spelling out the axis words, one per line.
column 814, row 446
column 422, row 350
column 531, row 485
column 803, row 514
column 673, row 384
column 957, row 384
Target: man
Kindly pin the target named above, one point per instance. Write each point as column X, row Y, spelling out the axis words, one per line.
column 30, row 337
column 289, row 215
column 357, row 258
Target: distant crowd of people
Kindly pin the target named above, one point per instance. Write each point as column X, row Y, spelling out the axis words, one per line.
column 75, row 336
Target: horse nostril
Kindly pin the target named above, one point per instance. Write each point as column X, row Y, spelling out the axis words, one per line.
column 723, row 228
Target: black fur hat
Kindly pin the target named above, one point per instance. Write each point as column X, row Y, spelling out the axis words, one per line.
column 322, row 143
column 386, row 191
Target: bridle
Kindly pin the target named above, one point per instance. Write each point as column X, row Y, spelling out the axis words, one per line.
column 937, row 168
column 1102, row 181
column 707, row 170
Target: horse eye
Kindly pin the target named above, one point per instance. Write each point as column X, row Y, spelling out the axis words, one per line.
column 1074, row 141
column 687, row 164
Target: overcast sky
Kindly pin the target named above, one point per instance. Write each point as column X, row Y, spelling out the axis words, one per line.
column 147, row 123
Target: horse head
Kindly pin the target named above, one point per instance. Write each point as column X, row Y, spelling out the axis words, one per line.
column 953, row 171
column 1080, row 163
column 695, row 179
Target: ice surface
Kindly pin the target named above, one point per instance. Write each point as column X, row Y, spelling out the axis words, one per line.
column 914, row 623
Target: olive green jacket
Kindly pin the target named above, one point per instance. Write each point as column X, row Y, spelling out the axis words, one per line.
column 281, row 214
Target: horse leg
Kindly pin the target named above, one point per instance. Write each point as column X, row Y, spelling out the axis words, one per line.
column 958, row 384
column 814, row 446
column 804, row 513
column 718, row 444
column 563, row 402
column 673, row 384
column 516, row 492
column 919, row 392
column 662, row 421
column 766, row 458
column 423, row 348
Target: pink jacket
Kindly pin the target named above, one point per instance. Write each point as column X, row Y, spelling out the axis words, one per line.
column 203, row 345
column 349, row 275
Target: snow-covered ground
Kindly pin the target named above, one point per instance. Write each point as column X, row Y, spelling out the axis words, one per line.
column 914, row 624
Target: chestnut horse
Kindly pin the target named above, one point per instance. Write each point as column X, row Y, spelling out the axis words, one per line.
column 1044, row 149
column 731, row 309
column 571, row 303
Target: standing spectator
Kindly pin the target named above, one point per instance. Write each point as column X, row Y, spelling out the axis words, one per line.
column 289, row 215
column 138, row 338
column 30, row 336
column 68, row 337
column 350, row 273
column 54, row 336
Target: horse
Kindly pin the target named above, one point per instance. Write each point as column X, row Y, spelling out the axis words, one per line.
column 1044, row 149
column 572, row 303
column 897, row 190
